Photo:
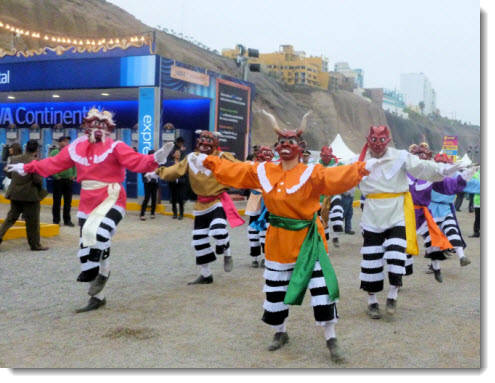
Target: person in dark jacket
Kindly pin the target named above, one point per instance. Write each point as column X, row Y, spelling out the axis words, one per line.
column 151, row 182
column 25, row 194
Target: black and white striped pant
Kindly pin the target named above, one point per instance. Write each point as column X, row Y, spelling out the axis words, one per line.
column 254, row 238
column 449, row 227
column 90, row 256
column 382, row 247
column 432, row 252
column 210, row 223
column 277, row 277
column 336, row 217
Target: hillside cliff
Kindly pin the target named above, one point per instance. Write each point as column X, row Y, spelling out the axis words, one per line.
column 334, row 112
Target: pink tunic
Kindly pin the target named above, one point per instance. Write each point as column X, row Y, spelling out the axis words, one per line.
column 98, row 162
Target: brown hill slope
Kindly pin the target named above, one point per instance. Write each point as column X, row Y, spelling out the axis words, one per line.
column 334, row 112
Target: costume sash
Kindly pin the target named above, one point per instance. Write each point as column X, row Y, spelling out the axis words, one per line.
column 228, row 206
column 260, row 223
column 93, row 222
column 409, row 216
column 438, row 239
column 312, row 249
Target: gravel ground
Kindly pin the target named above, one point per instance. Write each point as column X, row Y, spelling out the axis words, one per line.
column 153, row 319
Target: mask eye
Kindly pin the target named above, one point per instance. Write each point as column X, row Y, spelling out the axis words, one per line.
column 282, row 141
column 373, row 139
column 382, row 139
column 292, row 141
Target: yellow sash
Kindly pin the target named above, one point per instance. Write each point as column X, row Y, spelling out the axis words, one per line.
column 409, row 216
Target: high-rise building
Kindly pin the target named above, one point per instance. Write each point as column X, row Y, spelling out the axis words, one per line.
column 356, row 74
column 417, row 88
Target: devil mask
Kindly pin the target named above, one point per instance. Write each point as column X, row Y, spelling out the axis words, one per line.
column 422, row 151
column 98, row 125
column 265, row 154
column 378, row 140
column 326, row 155
column 207, row 141
column 443, row 158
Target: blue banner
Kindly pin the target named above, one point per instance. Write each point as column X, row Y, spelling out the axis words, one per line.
column 146, row 125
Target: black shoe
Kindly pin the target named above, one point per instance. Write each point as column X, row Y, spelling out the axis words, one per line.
column 374, row 311
column 202, row 280
column 228, row 263
column 475, row 235
column 335, row 351
column 88, row 275
column 350, row 232
column 98, row 284
column 262, row 263
column 70, row 224
column 429, row 270
column 279, row 339
column 255, row 264
column 175, row 216
column 335, row 242
column 93, row 304
column 438, row 275
column 181, row 217
column 391, row 306
column 39, row 248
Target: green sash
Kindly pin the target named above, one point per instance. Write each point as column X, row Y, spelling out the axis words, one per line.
column 312, row 249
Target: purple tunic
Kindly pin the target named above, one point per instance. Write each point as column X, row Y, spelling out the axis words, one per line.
column 421, row 193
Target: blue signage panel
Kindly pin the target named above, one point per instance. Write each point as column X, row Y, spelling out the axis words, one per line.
column 110, row 72
column 146, row 125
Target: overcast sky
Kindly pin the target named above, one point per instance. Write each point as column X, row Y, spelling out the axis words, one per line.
column 385, row 38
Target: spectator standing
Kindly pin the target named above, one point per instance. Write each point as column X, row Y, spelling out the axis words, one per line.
column 151, row 181
column 25, row 193
column 177, row 187
column 305, row 157
column 62, row 187
column 347, row 200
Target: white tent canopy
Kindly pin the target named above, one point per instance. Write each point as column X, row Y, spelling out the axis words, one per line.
column 340, row 149
column 465, row 159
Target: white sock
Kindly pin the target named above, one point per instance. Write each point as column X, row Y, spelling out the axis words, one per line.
column 205, row 270
column 100, row 296
column 105, row 267
column 392, row 293
column 435, row 265
column 227, row 253
column 255, row 259
column 329, row 330
column 372, row 299
column 459, row 251
column 280, row 328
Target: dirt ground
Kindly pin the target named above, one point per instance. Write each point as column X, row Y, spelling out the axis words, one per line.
column 153, row 319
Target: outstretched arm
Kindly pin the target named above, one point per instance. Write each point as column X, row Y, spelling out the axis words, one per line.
column 236, row 174
column 51, row 165
column 173, row 172
column 336, row 180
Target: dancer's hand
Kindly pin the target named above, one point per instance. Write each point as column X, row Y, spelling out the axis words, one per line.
column 162, row 153
column 450, row 169
column 197, row 161
column 469, row 173
column 149, row 176
column 19, row 168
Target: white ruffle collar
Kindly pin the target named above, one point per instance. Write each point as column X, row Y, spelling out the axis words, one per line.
column 267, row 187
column 84, row 160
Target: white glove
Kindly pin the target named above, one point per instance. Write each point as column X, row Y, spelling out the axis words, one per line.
column 197, row 160
column 449, row 170
column 149, row 176
column 19, row 168
column 162, row 153
column 469, row 173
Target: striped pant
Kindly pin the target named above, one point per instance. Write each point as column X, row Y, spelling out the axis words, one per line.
column 382, row 247
column 254, row 238
column 336, row 214
column 90, row 256
column 449, row 227
column 277, row 277
column 210, row 223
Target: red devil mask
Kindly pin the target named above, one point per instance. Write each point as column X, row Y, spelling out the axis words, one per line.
column 326, row 155
column 265, row 154
column 422, row 151
column 377, row 141
column 207, row 142
column 443, row 158
column 98, row 125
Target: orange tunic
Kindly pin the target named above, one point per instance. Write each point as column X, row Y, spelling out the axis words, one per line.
column 294, row 194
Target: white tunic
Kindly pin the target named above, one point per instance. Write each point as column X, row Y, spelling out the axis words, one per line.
column 391, row 177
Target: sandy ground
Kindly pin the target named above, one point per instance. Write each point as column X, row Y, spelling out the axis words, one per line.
column 153, row 319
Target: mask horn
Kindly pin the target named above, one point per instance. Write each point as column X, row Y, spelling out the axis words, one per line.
column 304, row 123
column 273, row 122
